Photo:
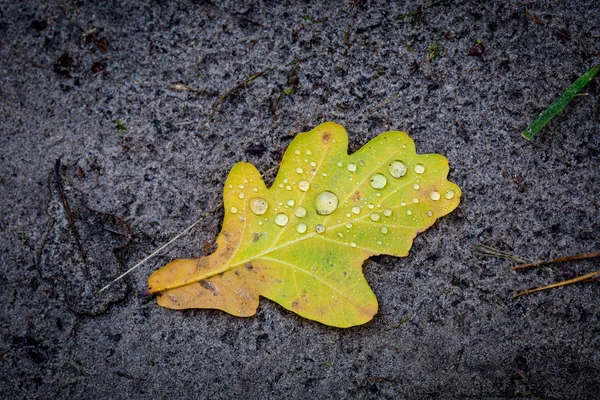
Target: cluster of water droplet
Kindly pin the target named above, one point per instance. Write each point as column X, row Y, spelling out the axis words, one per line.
column 327, row 202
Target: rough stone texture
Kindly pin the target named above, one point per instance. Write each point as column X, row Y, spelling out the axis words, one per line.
column 135, row 152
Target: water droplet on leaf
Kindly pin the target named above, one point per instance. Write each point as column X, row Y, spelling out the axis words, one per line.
column 233, row 210
column 356, row 210
column 435, row 195
column 300, row 212
column 319, row 228
column 351, row 167
column 397, row 169
column 449, row 194
column 281, row 219
column 375, row 216
column 419, row 168
column 378, row 181
column 259, row 205
column 387, row 212
column 301, row 228
column 326, row 203
column 303, row 185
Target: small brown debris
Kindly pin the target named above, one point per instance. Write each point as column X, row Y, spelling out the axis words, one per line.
column 477, row 50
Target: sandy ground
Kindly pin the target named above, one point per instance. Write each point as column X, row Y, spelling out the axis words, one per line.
column 140, row 160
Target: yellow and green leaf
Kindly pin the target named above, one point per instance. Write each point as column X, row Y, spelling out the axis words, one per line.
column 302, row 242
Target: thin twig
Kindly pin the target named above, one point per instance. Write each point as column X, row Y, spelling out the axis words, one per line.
column 583, row 278
column 557, row 260
column 161, row 248
column 382, row 104
column 240, row 85
column 58, row 181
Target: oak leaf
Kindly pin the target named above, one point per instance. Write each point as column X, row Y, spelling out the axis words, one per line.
column 302, row 242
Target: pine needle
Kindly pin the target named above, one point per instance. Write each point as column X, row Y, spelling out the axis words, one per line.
column 559, row 259
column 161, row 248
column 583, row 278
column 488, row 251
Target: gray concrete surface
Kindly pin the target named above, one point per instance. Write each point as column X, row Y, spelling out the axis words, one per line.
column 135, row 153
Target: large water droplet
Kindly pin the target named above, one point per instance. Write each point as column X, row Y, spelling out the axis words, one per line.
column 375, row 217
column 449, row 194
column 320, row 228
column 303, row 185
column 326, row 203
column 387, row 212
column 384, row 229
column 351, row 167
column 259, row 205
column 233, row 210
column 356, row 210
column 301, row 228
column 281, row 219
column 348, row 225
column 397, row 169
column 290, row 203
column 378, row 181
column 299, row 170
column 300, row 212
column 419, row 168
column 435, row 195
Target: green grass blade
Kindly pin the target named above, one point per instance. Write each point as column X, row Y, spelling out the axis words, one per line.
column 560, row 103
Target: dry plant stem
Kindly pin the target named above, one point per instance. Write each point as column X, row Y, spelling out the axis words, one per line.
column 559, row 259
column 161, row 248
column 74, row 230
column 240, row 85
column 582, row 278
column 488, row 251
